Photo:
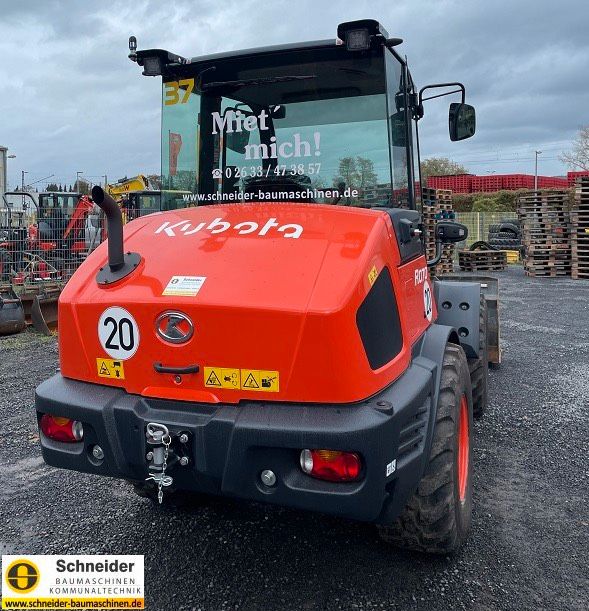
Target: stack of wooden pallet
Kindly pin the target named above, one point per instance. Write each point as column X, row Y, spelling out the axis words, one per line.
column 580, row 231
column 482, row 260
column 545, row 225
column 437, row 206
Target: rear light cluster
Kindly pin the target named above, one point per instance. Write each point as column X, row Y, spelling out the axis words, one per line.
column 61, row 429
column 331, row 465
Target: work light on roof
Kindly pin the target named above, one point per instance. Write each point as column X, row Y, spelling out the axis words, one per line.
column 152, row 66
column 358, row 40
column 359, row 35
column 154, row 61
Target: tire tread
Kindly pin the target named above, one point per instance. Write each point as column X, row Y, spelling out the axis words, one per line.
column 428, row 523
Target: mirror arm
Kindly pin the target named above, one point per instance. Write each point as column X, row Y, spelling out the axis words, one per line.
column 460, row 89
column 441, row 95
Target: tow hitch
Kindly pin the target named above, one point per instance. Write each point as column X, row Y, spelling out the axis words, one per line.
column 164, row 451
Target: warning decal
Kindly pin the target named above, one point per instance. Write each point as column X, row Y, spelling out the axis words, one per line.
column 251, row 382
column 372, row 275
column 222, row 377
column 107, row 368
column 253, row 379
column 184, row 286
column 244, row 379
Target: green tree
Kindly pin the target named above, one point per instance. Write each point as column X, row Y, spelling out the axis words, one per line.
column 154, row 181
column 578, row 157
column 366, row 176
column 441, row 166
column 184, row 180
column 356, row 172
column 83, row 187
column 52, row 187
column 347, row 171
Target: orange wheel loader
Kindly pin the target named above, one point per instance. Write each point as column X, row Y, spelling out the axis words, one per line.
column 282, row 339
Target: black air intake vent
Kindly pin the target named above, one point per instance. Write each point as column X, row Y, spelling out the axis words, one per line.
column 412, row 435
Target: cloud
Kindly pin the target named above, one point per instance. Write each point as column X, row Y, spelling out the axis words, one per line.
column 71, row 101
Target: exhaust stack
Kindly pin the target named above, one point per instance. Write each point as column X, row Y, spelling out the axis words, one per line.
column 119, row 263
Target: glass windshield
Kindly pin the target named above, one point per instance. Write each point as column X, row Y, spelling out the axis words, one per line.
column 304, row 125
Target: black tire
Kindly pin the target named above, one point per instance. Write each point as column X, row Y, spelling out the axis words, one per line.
column 505, row 244
column 479, row 367
column 502, row 235
column 510, row 228
column 508, row 235
column 437, row 518
column 494, row 228
column 481, row 245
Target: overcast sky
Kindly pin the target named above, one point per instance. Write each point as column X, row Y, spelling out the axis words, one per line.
column 70, row 100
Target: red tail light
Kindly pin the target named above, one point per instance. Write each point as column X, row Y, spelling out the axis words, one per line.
column 331, row 465
column 61, row 429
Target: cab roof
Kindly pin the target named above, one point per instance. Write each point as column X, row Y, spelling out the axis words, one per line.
column 268, row 50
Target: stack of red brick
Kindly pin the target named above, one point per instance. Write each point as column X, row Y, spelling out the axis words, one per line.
column 469, row 183
column 573, row 176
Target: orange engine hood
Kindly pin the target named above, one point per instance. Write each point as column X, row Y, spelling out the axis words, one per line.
column 282, row 286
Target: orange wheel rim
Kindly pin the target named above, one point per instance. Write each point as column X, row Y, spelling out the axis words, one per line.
column 463, row 448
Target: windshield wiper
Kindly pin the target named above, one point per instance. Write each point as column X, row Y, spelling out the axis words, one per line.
column 258, row 81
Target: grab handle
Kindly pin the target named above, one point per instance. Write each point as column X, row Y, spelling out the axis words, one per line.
column 160, row 368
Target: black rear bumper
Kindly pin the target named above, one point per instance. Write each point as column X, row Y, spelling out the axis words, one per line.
column 230, row 445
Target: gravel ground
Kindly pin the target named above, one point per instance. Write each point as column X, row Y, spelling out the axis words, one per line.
column 530, row 539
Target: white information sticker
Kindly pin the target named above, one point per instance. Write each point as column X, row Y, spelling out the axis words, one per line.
column 118, row 333
column 184, row 286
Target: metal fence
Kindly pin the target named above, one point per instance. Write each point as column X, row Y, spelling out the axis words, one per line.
column 478, row 224
column 45, row 240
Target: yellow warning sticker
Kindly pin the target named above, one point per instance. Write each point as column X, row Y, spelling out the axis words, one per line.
column 244, row 379
column 256, row 379
column 107, row 368
column 222, row 377
column 372, row 275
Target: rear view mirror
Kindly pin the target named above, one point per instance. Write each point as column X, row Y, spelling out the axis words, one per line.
column 237, row 141
column 461, row 121
column 449, row 232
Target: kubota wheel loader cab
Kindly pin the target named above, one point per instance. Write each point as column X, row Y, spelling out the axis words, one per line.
column 305, row 123
column 280, row 340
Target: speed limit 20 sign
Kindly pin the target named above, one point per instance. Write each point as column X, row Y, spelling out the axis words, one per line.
column 118, row 333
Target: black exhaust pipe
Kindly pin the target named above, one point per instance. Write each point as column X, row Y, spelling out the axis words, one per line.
column 119, row 263
column 114, row 221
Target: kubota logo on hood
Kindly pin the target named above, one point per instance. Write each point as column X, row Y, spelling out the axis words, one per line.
column 290, row 230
